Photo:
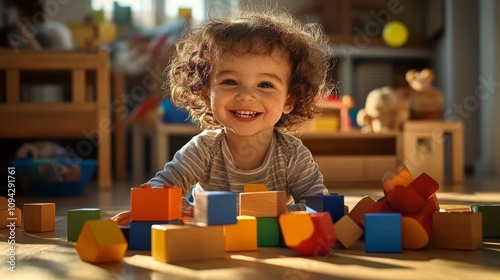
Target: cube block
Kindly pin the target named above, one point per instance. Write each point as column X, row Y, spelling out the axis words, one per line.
column 400, row 176
column 347, row 231
column 255, row 188
column 101, row 241
column 457, row 230
column 155, row 204
column 241, row 236
column 39, row 217
column 491, row 218
column 139, row 233
column 216, row 208
column 173, row 243
column 333, row 203
column 262, row 204
column 383, row 232
column 76, row 218
column 268, row 232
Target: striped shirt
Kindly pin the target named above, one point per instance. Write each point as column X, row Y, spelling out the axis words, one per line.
column 206, row 164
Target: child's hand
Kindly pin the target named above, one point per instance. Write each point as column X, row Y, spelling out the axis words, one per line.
column 123, row 218
column 187, row 210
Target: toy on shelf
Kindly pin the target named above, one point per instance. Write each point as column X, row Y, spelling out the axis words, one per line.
column 384, row 111
column 425, row 102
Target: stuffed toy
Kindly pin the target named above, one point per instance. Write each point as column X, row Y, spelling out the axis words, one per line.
column 425, row 102
column 384, row 111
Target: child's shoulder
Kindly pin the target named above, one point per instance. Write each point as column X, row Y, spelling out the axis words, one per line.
column 288, row 140
column 209, row 137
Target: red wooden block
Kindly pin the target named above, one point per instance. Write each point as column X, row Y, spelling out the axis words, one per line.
column 424, row 185
column 155, row 204
column 405, row 200
column 322, row 239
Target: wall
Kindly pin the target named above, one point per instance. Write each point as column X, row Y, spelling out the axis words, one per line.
column 67, row 10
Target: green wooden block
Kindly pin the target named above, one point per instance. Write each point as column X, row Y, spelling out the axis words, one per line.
column 491, row 218
column 77, row 217
column 268, row 232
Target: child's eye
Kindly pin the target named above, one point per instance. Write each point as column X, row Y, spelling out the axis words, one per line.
column 266, row 85
column 229, row 82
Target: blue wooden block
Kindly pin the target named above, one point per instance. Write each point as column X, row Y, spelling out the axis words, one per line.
column 216, row 208
column 139, row 233
column 383, row 232
column 333, row 203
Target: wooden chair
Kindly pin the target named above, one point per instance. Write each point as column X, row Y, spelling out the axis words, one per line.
column 86, row 115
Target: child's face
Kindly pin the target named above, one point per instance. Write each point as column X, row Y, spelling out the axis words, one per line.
column 248, row 93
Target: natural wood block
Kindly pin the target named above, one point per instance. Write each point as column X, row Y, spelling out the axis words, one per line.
column 332, row 203
column 155, row 204
column 268, row 232
column 491, row 218
column 255, row 188
column 262, row 204
column 173, row 243
column 76, row 218
column 216, row 208
column 241, row 236
column 400, row 176
column 39, row 217
column 316, row 235
column 347, row 231
column 101, row 241
column 358, row 212
column 458, row 230
column 8, row 216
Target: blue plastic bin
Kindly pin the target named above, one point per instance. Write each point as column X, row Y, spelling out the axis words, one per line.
column 52, row 176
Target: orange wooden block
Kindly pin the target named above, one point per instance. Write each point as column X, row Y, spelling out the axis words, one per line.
column 415, row 231
column 39, row 217
column 347, row 231
column 155, row 204
column 457, row 230
column 262, row 204
column 101, row 241
column 9, row 215
column 400, row 176
column 174, row 243
column 242, row 236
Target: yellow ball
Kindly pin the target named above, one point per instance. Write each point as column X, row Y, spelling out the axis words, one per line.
column 395, row 34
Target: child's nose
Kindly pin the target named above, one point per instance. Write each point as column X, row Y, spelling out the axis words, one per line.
column 246, row 94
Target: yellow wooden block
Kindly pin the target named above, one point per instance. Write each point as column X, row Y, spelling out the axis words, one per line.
column 347, row 231
column 399, row 176
column 174, row 243
column 242, row 236
column 101, row 241
column 457, row 230
column 39, row 217
column 255, row 188
column 296, row 227
column 413, row 234
column 262, row 204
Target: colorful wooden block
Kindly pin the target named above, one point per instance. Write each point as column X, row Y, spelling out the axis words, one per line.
column 405, row 200
column 457, row 230
column 333, row 203
column 255, row 188
column 347, row 231
column 383, row 232
column 76, row 218
column 9, row 215
column 424, row 185
column 262, row 204
column 216, row 208
column 399, row 176
column 139, row 233
column 101, row 241
column 155, row 204
column 308, row 233
column 39, row 217
column 268, row 232
column 173, row 243
column 416, row 231
column 491, row 218
column 241, row 236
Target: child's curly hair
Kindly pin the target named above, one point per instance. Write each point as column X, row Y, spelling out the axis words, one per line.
column 199, row 50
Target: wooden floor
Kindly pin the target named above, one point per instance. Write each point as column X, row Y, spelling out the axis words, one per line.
column 51, row 256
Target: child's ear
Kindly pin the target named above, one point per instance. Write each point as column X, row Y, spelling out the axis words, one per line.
column 288, row 105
